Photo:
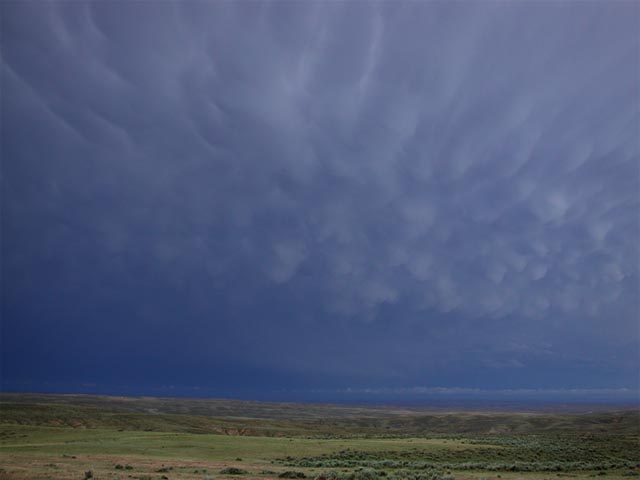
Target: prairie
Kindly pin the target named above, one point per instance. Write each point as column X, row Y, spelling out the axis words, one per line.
column 62, row 437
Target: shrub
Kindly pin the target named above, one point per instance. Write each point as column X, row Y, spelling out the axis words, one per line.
column 292, row 474
column 330, row 475
column 366, row 474
column 233, row 471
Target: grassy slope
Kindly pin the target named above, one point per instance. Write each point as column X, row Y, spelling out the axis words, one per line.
column 207, row 407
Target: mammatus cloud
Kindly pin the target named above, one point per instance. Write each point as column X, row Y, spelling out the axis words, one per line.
column 472, row 160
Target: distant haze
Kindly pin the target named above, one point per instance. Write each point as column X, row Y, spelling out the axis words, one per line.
column 322, row 201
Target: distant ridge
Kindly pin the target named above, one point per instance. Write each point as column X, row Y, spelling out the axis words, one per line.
column 240, row 417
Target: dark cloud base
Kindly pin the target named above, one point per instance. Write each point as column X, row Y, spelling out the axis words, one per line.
column 280, row 197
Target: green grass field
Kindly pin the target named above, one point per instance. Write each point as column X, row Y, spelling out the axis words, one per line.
column 60, row 437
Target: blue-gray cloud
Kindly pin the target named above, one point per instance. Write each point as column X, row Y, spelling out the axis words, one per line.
column 467, row 172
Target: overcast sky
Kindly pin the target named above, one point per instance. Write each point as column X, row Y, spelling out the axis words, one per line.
column 316, row 199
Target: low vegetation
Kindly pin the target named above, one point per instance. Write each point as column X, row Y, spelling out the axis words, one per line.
column 69, row 438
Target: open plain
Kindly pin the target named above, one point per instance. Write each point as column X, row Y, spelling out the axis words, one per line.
column 77, row 437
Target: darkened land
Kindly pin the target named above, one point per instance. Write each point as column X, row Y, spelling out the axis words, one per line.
column 64, row 436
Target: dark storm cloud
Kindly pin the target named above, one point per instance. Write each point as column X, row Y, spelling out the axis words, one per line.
column 454, row 184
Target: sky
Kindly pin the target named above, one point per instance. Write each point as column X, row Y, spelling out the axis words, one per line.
column 336, row 201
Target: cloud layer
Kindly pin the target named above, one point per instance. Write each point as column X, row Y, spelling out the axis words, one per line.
column 466, row 170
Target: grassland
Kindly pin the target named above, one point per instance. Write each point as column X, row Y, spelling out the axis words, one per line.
column 62, row 437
